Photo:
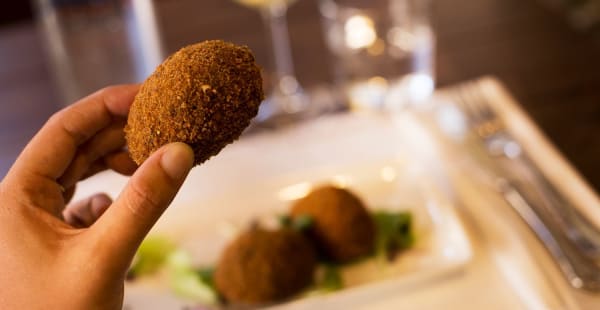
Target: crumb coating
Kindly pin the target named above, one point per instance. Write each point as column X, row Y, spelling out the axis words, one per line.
column 204, row 95
column 263, row 266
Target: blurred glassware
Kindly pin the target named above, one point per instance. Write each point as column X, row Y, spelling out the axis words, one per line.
column 95, row 43
column 286, row 100
column 583, row 15
column 383, row 51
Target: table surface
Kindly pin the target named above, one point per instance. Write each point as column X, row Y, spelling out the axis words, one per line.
column 552, row 70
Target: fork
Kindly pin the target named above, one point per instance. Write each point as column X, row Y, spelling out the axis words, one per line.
column 571, row 239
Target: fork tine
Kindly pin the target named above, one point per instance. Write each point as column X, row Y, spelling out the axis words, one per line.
column 468, row 103
column 475, row 104
column 458, row 98
column 565, row 232
column 481, row 100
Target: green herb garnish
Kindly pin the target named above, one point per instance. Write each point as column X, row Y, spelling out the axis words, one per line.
column 207, row 275
column 298, row 223
column 332, row 279
column 187, row 282
column 394, row 233
column 302, row 222
column 151, row 255
column 189, row 285
column 327, row 279
column 285, row 220
column 159, row 253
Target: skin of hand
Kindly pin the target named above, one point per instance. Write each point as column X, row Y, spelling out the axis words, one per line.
column 76, row 257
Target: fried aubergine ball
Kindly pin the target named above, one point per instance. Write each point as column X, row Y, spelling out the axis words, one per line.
column 204, row 95
column 342, row 228
column 263, row 266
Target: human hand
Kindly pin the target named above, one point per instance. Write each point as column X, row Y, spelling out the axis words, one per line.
column 77, row 258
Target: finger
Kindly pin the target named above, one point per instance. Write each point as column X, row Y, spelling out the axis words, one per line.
column 68, row 193
column 85, row 212
column 108, row 140
column 94, row 169
column 148, row 193
column 53, row 148
column 119, row 162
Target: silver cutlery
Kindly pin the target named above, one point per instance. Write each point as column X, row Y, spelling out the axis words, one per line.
column 569, row 237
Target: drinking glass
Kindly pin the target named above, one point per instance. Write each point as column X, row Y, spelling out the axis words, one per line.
column 286, row 100
column 383, row 51
column 95, row 43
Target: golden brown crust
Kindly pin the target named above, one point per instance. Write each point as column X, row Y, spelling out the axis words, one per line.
column 263, row 266
column 342, row 228
column 204, row 95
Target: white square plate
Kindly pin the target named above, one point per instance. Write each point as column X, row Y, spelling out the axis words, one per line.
column 441, row 244
column 499, row 264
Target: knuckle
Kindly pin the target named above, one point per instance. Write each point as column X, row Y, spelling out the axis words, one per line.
column 141, row 199
column 55, row 117
column 61, row 121
column 89, row 156
column 106, row 90
column 107, row 93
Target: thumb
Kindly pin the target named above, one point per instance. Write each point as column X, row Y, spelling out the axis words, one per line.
column 149, row 192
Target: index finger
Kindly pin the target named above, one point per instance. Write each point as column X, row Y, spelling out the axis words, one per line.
column 53, row 148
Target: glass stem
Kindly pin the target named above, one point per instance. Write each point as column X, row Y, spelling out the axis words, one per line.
column 275, row 21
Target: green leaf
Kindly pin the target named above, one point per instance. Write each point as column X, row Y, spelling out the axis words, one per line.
column 151, row 255
column 207, row 275
column 179, row 261
column 187, row 282
column 298, row 223
column 394, row 232
column 331, row 279
column 158, row 252
column 189, row 285
column 302, row 222
column 285, row 220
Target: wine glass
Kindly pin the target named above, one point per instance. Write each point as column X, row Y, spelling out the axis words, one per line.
column 286, row 100
column 383, row 51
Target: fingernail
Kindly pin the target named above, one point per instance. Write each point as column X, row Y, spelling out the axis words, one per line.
column 177, row 160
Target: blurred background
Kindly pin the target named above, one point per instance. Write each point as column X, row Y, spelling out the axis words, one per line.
column 547, row 52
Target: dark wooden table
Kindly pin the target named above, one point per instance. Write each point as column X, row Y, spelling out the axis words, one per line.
column 552, row 70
